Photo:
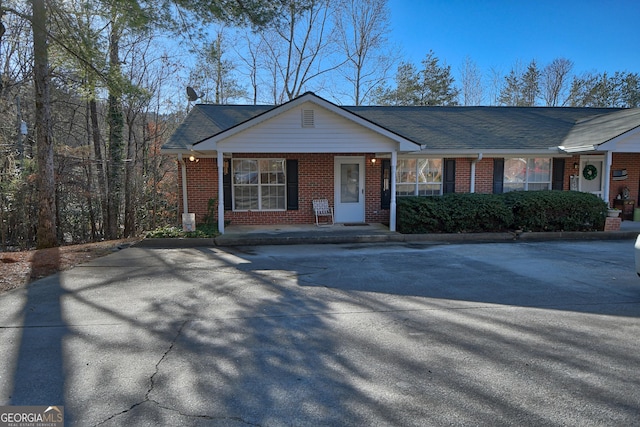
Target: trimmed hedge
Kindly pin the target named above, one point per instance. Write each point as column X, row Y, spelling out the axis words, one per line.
column 556, row 210
column 523, row 210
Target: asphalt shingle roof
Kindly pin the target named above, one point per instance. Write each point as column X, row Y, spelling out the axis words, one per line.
column 206, row 120
column 445, row 128
column 600, row 129
column 480, row 128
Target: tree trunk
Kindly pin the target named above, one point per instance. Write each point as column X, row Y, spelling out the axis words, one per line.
column 97, row 149
column 116, row 143
column 130, row 194
column 46, row 228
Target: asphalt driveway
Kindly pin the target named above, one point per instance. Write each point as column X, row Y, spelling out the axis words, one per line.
column 539, row 333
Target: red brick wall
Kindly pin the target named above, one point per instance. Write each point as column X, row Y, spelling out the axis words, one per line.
column 630, row 162
column 373, row 188
column 202, row 185
column 484, row 176
column 315, row 181
column 463, row 175
column 569, row 170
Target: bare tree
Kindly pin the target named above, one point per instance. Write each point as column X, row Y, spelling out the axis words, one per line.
column 555, row 82
column 253, row 50
column 362, row 27
column 495, row 80
column 213, row 74
column 471, row 79
column 299, row 48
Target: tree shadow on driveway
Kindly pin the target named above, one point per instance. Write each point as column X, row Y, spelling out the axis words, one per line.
column 220, row 337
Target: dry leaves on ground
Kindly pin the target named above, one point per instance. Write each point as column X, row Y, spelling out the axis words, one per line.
column 20, row 268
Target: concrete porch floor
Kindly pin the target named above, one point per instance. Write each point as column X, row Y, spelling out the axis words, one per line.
column 377, row 233
column 306, row 233
column 630, row 226
column 352, row 229
column 282, row 229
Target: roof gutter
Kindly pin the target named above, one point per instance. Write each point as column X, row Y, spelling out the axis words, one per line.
column 580, row 149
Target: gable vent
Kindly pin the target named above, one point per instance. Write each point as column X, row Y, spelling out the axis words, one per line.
column 308, row 120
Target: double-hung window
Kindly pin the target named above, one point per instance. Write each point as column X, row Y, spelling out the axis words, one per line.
column 419, row 177
column 259, row 184
column 527, row 174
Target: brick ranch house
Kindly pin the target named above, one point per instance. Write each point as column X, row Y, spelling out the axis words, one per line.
column 270, row 162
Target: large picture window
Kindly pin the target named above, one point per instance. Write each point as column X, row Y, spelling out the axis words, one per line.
column 527, row 174
column 419, row 177
column 259, row 184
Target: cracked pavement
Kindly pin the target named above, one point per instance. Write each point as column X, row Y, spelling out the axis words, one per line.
column 539, row 333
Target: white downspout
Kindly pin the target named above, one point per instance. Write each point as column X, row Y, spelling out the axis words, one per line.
column 220, row 161
column 607, row 179
column 392, row 211
column 185, row 205
column 473, row 173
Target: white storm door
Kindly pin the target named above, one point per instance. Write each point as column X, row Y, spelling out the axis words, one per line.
column 349, row 189
column 591, row 179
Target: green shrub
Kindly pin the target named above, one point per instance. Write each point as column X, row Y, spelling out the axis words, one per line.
column 164, row 232
column 524, row 210
column 202, row 230
column 421, row 215
column 556, row 210
column 474, row 213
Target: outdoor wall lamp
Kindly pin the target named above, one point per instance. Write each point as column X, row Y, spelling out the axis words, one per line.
column 373, row 161
column 192, row 158
column 575, row 165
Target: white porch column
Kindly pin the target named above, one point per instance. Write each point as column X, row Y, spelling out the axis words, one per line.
column 220, row 162
column 185, row 199
column 606, row 178
column 472, row 184
column 392, row 207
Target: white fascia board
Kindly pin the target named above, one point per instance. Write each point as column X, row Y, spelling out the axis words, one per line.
column 175, row 151
column 580, row 149
column 486, row 153
column 186, row 153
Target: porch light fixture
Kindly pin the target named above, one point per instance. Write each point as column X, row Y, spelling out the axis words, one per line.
column 575, row 165
column 373, row 161
column 192, row 158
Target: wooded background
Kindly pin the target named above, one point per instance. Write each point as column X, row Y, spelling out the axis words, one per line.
column 91, row 89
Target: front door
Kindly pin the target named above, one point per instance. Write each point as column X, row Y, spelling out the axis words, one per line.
column 349, row 189
column 591, row 169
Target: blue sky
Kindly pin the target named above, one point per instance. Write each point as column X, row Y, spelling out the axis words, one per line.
column 597, row 36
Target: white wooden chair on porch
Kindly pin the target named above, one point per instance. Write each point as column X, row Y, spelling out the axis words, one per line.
column 321, row 208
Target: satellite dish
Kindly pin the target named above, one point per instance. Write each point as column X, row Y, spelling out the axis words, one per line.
column 191, row 94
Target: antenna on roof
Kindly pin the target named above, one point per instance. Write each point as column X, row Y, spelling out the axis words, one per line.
column 191, row 94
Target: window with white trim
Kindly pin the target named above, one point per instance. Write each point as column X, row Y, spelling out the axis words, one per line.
column 259, row 184
column 527, row 174
column 419, row 177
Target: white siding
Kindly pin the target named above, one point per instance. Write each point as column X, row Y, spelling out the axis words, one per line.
column 284, row 134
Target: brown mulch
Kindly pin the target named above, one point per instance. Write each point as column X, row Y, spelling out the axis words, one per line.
column 21, row 268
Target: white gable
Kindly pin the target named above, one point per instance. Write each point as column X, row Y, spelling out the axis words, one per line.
column 307, row 127
column 628, row 142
